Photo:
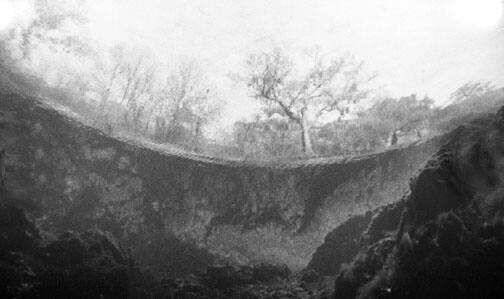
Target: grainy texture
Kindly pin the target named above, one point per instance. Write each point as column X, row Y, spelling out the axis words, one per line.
column 343, row 243
column 450, row 238
column 75, row 177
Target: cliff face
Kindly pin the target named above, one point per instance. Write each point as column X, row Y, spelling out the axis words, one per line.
column 340, row 245
column 343, row 243
column 65, row 267
column 450, row 237
column 77, row 178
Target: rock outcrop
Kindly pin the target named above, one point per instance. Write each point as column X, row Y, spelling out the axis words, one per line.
column 450, row 239
column 343, row 243
column 87, row 265
column 70, row 176
column 340, row 245
column 34, row 264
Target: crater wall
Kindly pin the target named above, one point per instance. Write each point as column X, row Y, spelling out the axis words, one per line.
column 72, row 176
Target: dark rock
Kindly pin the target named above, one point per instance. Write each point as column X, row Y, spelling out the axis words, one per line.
column 226, row 277
column 85, row 265
column 222, row 277
column 75, row 177
column 269, row 272
column 450, row 239
column 384, row 222
column 340, row 246
column 167, row 255
column 309, row 276
column 17, row 233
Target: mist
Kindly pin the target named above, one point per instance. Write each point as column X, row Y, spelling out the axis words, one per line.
column 251, row 149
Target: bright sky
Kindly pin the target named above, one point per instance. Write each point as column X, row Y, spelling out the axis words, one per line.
column 417, row 46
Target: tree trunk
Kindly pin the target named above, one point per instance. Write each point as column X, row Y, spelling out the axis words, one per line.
column 305, row 137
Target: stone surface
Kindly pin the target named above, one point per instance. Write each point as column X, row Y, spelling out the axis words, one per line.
column 450, row 238
column 88, row 265
column 70, row 176
column 340, row 245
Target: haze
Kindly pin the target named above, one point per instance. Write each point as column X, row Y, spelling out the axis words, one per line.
column 423, row 47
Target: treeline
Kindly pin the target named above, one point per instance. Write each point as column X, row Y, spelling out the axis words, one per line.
column 308, row 109
column 125, row 90
column 387, row 123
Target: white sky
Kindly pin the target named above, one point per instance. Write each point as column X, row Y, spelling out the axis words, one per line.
column 417, row 46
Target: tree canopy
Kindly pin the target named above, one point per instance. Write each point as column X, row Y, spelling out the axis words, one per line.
column 324, row 88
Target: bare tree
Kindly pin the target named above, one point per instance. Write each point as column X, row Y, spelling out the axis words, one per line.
column 137, row 93
column 324, row 88
column 204, row 107
column 136, row 76
column 184, row 103
column 105, row 92
column 125, row 89
column 169, row 105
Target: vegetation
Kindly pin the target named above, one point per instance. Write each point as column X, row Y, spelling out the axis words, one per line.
column 445, row 238
column 387, row 123
column 308, row 109
column 324, row 88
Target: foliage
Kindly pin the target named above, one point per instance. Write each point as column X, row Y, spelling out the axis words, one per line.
column 449, row 239
column 324, row 88
column 388, row 122
column 182, row 106
column 471, row 91
column 125, row 91
column 306, row 106
column 467, row 108
column 273, row 137
column 350, row 137
column 53, row 26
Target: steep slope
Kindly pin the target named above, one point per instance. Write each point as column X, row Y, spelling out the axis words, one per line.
column 66, row 267
column 70, row 176
column 340, row 245
column 450, row 239
column 343, row 243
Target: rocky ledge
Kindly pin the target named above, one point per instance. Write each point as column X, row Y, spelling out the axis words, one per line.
column 449, row 240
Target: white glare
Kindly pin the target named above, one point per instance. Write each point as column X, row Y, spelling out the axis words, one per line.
column 481, row 13
column 7, row 14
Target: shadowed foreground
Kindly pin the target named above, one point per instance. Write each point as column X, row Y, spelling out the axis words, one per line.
column 449, row 241
column 84, row 215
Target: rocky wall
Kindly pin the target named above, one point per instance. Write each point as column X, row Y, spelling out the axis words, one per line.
column 74, row 177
